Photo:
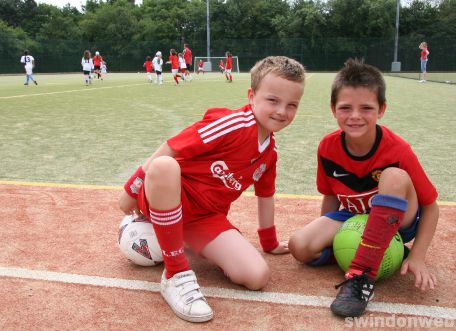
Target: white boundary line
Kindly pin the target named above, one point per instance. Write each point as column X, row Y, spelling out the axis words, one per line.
column 211, row 80
column 267, row 297
column 70, row 91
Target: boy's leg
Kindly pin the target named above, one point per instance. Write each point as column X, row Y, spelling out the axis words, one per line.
column 33, row 79
column 240, row 261
column 394, row 206
column 313, row 243
column 163, row 193
column 179, row 287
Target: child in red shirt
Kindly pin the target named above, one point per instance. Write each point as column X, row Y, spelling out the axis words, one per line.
column 187, row 186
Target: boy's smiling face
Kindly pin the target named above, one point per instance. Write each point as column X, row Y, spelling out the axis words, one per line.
column 274, row 103
column 357, row 111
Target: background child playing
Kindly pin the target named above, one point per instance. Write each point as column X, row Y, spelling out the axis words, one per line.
column 423, row 61
column 228, row 67
column 366, row 168
column 182, row 66
column 87, row 67
column 222, row 66
column 158, row 67
column 103, row 70
column 200, row 66
column 187, row 186
column 148, row 65
column 29, row 64
column 174, row 61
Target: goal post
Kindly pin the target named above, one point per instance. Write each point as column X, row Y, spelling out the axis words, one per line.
column 212, row 64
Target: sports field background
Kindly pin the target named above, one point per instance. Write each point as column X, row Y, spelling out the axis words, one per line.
column 63, row 132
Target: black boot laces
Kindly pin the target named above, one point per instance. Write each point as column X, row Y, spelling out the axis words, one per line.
column 356, row 283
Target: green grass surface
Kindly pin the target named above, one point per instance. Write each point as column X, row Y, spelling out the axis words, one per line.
column 441, row 77
column 61, row 131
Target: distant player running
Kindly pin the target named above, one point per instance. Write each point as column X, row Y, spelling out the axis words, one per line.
column 228, row 67
column 148, row 66
column 87, row 67
column 97, row 62
column 188, row 57
column 29, row 64
column 157, row 62
column 174, row 61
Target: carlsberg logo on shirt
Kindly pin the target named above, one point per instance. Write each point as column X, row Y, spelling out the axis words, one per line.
column 220, row 170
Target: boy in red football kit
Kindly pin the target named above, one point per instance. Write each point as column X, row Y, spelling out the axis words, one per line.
column 188, row 57
column 366, row 168
column 148, row 66
column 97, row 61
column 222, row 66
column 228, row 67
column 192, row 179
column 200, row 66
column 174, row 61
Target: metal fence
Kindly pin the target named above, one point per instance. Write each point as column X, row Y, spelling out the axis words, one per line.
column 317, row 55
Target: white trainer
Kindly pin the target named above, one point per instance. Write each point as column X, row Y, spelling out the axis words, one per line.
column 183, row 295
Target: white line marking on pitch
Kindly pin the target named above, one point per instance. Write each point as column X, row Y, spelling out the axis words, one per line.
column 70, row 91
column 268, row 297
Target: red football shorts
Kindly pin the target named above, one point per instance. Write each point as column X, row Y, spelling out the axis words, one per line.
column 200, row 226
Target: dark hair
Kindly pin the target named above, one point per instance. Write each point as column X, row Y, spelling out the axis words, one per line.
column 87, row 54
column 228, row 54
column 173, row 51
column 148, row 58
column 356, row 73
column 25, row 52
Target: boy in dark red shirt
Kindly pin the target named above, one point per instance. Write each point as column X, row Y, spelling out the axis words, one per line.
column 365, row 168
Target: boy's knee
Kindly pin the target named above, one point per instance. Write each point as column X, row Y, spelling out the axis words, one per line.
column 254, row 278
column 301, row 249
column 394, row 179
column 162, row 168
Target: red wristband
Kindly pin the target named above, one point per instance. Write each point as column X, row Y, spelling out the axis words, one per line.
column 268, row 238
column 135, row 182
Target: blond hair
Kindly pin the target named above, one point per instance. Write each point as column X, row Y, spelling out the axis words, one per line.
column 281, row 66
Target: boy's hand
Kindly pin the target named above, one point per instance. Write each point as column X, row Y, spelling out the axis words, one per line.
column 281, row 249
column 423, row 278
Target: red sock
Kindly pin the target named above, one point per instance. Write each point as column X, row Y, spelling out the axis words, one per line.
column 231, row 78
column 168, row 227
column 176, row 80
column 385, row 217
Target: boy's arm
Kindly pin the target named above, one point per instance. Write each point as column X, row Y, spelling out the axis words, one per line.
column 415, row 261
column 329, row 203
column 426, row 230
column 266, row 230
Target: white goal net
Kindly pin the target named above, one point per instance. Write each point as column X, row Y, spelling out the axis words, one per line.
column 212, row 64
